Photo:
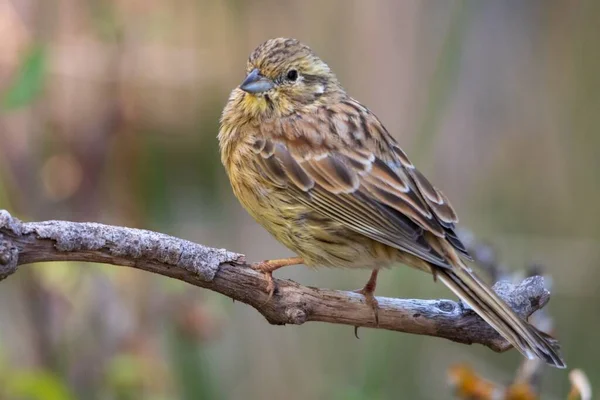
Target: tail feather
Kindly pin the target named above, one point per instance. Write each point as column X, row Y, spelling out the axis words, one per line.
column 531, row 342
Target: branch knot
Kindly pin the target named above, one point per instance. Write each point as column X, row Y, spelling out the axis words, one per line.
column 296, row 316
column 9, row 257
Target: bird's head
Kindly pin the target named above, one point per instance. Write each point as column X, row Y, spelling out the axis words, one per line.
column 285, row 76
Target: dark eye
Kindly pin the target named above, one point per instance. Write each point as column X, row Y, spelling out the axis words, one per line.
column 292, row 75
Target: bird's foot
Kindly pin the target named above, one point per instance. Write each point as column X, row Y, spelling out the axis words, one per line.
column 371, row 300
column 368, row 291
column 267, row 270
column 268, row 266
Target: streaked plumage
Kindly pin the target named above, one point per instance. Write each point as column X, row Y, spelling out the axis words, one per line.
column 321, row 173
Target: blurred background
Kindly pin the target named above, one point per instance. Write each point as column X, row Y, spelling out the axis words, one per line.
column 109, row 112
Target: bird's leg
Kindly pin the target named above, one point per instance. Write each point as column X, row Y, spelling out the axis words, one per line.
column 368, row 291
column 268, row 266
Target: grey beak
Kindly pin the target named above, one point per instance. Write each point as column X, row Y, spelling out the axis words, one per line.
column 256, row 83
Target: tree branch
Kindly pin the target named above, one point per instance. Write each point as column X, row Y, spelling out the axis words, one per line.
column 227, row 273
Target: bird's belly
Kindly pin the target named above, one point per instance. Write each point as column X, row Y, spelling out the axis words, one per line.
column 318, row 239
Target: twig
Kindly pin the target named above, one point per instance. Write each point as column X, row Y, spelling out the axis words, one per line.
column 227, row 273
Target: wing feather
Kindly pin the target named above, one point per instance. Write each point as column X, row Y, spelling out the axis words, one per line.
column 362, row 180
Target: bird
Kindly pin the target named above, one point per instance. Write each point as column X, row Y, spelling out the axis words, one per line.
column 321, row 173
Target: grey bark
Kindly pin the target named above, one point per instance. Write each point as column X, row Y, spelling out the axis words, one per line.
column 228, row 273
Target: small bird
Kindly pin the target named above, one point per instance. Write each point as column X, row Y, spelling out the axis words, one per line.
column 321, row 173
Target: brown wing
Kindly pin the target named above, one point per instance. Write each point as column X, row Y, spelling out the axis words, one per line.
column 357, row 175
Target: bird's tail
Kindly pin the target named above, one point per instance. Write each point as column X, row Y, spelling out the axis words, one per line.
column 523, row 336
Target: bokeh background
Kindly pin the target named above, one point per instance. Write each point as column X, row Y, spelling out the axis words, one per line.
column 109, row 112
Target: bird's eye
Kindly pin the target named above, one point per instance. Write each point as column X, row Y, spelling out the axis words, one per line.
column 292, row 75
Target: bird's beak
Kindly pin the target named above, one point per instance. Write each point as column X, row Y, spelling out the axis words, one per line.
column 256, row 83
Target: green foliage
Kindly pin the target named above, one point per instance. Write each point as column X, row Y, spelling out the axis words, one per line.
column 124, row 376
column 29, row 80
column 190, row 367
column 36, row 385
